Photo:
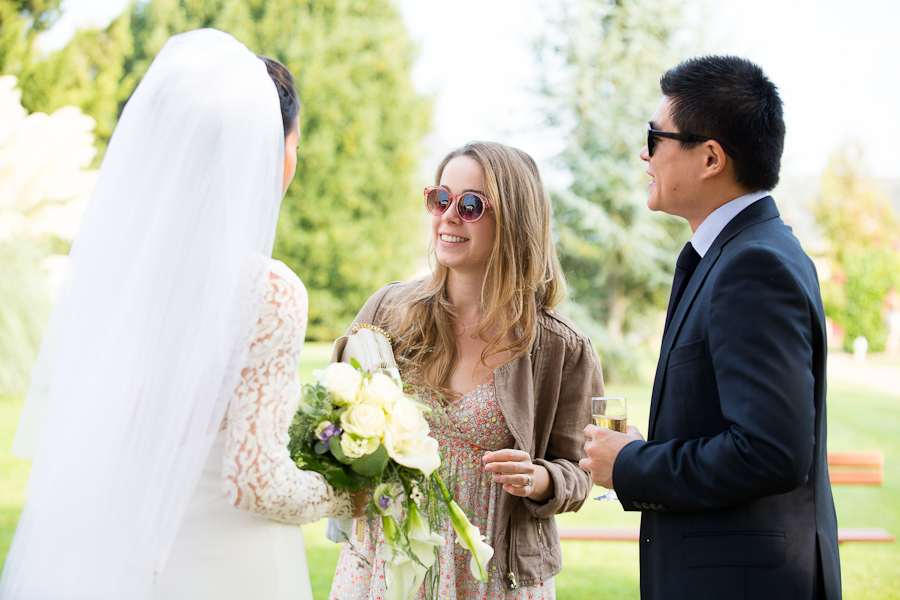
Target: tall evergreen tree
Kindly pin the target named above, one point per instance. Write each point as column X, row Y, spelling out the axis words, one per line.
column 603, row 70
column 345, row 222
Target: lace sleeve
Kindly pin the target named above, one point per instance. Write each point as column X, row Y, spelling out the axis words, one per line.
column 258, row 472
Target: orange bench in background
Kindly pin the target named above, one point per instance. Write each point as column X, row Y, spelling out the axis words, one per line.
column 859, row 467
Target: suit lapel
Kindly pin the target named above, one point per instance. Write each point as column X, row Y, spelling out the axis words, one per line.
column 759, row 211
column 690, row 292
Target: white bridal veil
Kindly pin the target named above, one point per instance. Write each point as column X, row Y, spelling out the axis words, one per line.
column 152, row 324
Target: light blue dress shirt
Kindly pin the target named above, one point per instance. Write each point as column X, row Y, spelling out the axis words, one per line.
column 712, row 226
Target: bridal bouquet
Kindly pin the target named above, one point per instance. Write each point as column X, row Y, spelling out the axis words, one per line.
column 361, row 432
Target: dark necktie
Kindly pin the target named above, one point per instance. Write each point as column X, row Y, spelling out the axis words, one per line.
column 684, row 268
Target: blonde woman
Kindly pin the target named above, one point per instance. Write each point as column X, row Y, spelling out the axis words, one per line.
column 480, row 338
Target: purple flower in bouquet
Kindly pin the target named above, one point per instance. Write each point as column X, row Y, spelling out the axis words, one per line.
column 328, row 431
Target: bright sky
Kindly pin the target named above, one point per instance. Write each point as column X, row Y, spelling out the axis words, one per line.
column 835, row 63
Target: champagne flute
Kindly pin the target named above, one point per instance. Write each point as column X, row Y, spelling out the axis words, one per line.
column 610, row 412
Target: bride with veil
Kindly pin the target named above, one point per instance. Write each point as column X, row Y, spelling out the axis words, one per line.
column 158, row 411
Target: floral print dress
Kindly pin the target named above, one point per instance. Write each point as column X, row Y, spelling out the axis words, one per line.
column 471, row 426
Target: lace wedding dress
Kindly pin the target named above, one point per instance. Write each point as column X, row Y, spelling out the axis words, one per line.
column 240, row 538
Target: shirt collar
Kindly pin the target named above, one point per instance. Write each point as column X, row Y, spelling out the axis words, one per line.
column 712, row 226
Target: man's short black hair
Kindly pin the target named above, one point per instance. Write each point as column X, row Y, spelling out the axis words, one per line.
column 730, row 99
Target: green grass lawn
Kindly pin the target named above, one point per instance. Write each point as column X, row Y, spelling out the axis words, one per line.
column 858, row 419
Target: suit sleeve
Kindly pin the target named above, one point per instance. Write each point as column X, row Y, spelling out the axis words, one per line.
column 760, row 343
column 581, row 379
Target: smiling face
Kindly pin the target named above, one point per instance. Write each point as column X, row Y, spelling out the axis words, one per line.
column 462, row 246
column 675, row 171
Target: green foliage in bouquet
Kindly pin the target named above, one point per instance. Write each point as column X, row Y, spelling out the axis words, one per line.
column 308, row 450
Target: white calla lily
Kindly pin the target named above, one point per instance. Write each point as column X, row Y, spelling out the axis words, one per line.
column 416, row 453
column 407, row 439
column 470, row 538
column 399, row 574
column 422, row 540
column 407, row 419
column 402, row 574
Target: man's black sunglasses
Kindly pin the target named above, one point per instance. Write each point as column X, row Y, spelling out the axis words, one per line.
column 652, row 134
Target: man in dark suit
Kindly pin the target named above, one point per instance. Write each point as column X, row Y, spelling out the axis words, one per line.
column 732, row 481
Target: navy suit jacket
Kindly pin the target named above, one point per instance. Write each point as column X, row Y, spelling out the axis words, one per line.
column 733, row 478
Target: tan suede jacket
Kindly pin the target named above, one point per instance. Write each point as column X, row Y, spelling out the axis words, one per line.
column 545, row 399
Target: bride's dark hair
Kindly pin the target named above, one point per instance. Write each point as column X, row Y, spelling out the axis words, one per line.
column 287, row 94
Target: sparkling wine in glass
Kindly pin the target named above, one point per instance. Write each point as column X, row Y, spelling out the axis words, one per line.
column 610, row 412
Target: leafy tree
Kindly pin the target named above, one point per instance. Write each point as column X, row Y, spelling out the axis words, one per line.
column 20, row 22
column 89, row 72
column 344, row 223
column 861, row 228
column 617, row 255
column 869, row 276
column 852, row 211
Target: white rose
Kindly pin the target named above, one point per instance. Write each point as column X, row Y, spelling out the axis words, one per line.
column 364, row 420
column 380, row 390
column 354, row 447
column 342, row 381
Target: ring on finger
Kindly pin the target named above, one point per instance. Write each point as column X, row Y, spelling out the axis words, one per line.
column 527, row 481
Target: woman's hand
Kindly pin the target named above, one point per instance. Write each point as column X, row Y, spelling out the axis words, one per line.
column 519, row 476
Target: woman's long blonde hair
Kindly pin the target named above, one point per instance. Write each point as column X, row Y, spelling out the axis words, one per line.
column 523, row 273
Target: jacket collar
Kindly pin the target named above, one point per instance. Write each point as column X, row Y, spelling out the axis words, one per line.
column 762, row 210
